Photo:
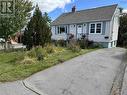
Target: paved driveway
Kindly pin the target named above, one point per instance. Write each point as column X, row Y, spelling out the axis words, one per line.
column 90, row 74
column 15, row 88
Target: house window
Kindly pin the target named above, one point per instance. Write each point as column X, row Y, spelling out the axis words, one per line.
column 79, row 26
column 62, row 29
column 92, row 28
column 98, row 28
column 95, row 28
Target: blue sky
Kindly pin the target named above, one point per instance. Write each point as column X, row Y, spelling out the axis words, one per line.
column 57, row 7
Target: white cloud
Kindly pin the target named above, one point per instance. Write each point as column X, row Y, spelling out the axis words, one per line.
column 125, row 11
column 50, row 5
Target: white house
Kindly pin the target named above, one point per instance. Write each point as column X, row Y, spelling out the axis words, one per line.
column 98, row 24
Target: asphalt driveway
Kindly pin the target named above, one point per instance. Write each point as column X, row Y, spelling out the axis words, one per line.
column 90, row 74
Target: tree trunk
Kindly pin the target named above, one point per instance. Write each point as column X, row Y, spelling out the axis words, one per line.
column 6, row 45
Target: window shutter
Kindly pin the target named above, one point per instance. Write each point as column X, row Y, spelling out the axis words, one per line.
column 87, row 28
column 104, row 28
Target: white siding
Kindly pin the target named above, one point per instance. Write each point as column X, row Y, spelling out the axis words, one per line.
column 62, row 36
column 56, row 36
column 101, row 37
column 108, row 28
column 115, row 23
column 97, row 38
column 72, row 30
column 53, row 30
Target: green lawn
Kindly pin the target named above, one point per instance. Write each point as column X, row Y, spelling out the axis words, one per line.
column 11, row 71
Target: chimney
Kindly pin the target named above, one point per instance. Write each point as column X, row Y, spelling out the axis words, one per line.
column 73, row 9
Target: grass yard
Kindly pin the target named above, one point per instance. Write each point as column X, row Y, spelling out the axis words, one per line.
column 12, row 71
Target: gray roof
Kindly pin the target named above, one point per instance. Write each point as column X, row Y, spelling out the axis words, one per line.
column 89, row 15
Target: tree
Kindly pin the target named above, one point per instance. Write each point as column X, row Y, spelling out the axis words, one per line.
column 28, row 38
column 10, row 25
column 122, row 39
column 38, row 29
column 46, row 29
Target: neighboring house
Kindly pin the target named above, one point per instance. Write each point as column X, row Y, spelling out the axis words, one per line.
column 98, row 24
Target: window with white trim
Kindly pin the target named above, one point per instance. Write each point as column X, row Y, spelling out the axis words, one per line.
column 62, row 29
column 96, row 28
column 92, row 28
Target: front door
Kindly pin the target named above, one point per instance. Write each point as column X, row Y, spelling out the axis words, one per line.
column 79, row 31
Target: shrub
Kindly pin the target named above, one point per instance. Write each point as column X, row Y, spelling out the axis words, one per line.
column 49, row 48
column 55, row 42
column 97, row 45
column 28, row 60
column 85, row 43
column 39, row 53
column 61, row 43
column 35, row 53
column 39, row 56
column 19, row 57
column 125, row 44
column 74, row 46
column 90, row 44
column 31, row 53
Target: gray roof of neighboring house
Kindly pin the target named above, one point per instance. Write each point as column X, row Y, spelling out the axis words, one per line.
column 88, row 15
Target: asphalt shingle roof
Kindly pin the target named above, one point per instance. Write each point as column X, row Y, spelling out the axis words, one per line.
column 88, row 15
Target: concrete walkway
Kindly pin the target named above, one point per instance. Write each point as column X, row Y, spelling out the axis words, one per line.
column 90, row 74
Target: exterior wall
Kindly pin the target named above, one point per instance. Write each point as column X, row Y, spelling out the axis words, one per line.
column 112, row 44
column 56, row 36
column 105, row 33
column 107, row 44
column 73, row 29
column 99, row 38
column 104, row 44
column 115, row 25
column 109, row 29
column 53, row 30
column 62, row 36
